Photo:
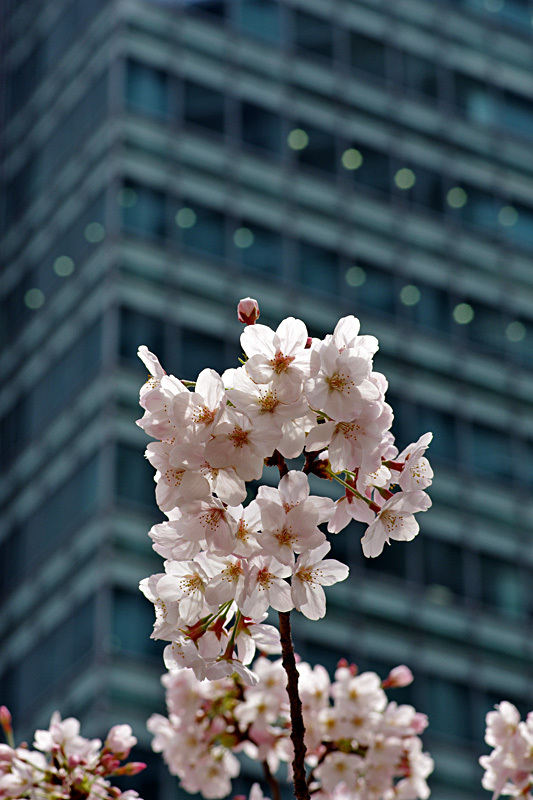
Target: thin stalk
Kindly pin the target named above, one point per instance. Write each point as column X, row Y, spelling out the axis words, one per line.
column 272, row 782
column 301, row 790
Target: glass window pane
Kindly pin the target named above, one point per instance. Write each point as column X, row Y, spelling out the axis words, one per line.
column 420, row 74
column 203, row 106
column 475, row 99
column 200, row 350
column 442, row 425
column 259, row 248
column 261, row 127
column 447, row 705
column 200, row 228
column 373, row 170
column 521, row 230
column 487, row 326
column 392, row 561
column 502, row 586
column 260, row 18
column 147, row 88
column 367, row 54
column 136, row 329
column 134, row 476
column 427, row 189
column 319, row 148
column 433, row 309
column 443, row 565
column 318, row 268
column 145, row 213
column 374, row 287
column 517, row 114
column 491, row 451
column 132, row 623
column 312, row 33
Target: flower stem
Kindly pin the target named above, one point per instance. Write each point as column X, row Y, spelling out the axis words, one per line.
column 301, row 790
column 272, row 782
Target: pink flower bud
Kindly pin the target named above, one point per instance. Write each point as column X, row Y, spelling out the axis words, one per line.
column 419, row 722
column 399, row 676
column 248, row 311
column 5, row 717
column 109, row 763
column 74, row 761
column 131, row 768
column 120, row 740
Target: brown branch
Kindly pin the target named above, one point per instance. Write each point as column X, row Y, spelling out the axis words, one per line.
column 272, row 782
column 301, row 790
column 277, row 460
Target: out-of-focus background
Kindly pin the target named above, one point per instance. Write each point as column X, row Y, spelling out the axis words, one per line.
column 161, row 160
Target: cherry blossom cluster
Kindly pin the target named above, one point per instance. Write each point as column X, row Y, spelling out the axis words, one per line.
column 65, row 765
column 227, row 562
column 509, row 768
column 359, row 745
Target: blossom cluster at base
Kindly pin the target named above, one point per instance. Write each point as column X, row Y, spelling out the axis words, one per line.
column 509, row 768
column 65, row 765
column 227, row 561
column 359, row 745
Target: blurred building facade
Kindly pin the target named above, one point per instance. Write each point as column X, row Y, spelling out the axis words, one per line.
column 163, row 159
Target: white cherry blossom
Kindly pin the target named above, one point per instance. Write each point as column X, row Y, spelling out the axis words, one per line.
column 279, row 357
column 237, row 443
column 340, row 386
column 395, row 520
column 264, row 587
column 310, row 574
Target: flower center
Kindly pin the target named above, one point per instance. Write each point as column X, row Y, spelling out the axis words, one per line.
column 285, row 536
column 239, row 437
column 337, row 382
column 268, row 403
column 192, row 583
column 281, row 363
column 264, row 578
column 204, row 415
column 174, row 476
column 213, row 517
column 233, row 572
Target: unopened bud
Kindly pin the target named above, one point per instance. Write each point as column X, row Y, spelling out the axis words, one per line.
column 109, row 763
column 131, row 768
column 5, row 717
column 399, row 676
column 74, row 761
column 308, row 343
column 419, row 722
column 248, row 311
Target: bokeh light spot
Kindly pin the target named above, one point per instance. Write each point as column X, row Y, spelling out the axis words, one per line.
column 297, row 139
column 355, row 276
column 515, row 331
column 410, row 295
column 456, row 197
column 94, row 232
column 185, row 218
column 243, row 238
column 507, row 216
column 405, row 178
column 63, row 266
column 463, row 313
column 127, row 197
column 351, row 159
column 34, row 298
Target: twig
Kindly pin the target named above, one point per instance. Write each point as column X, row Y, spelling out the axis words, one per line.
column 301, row 790
column 272, row 782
